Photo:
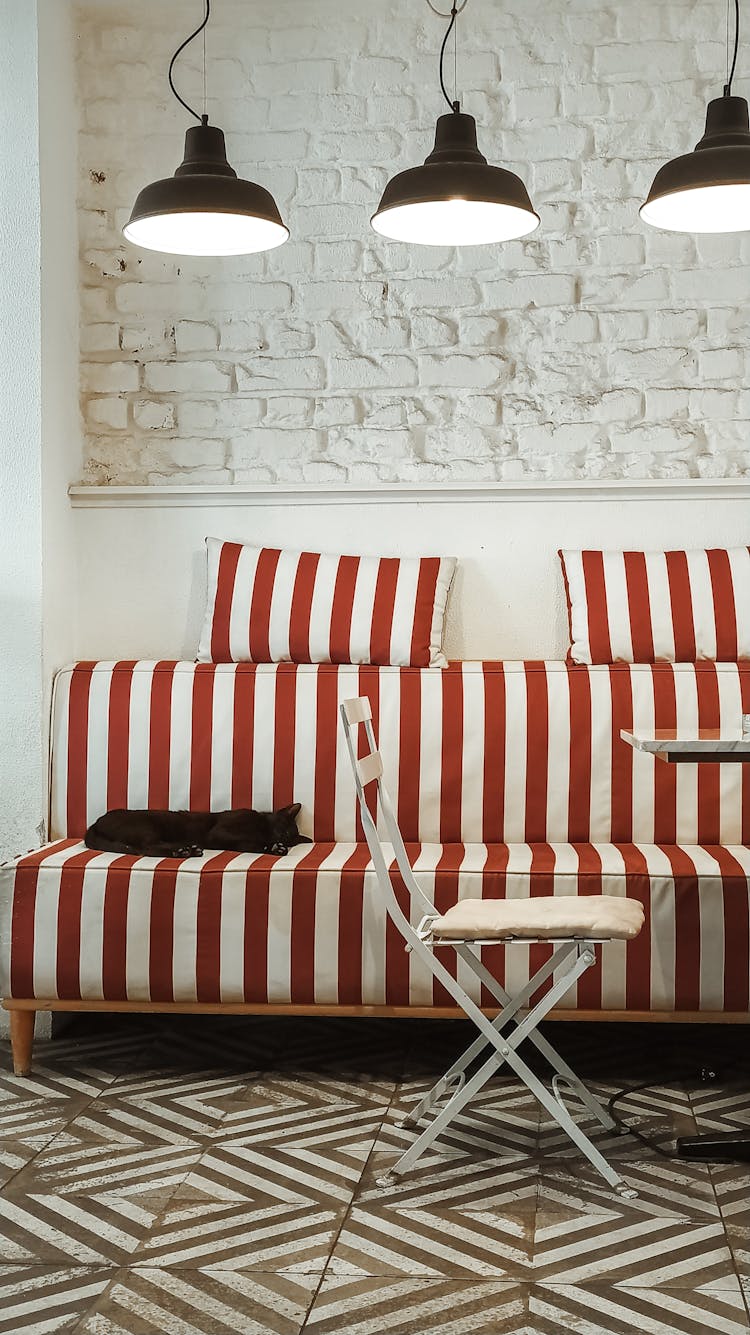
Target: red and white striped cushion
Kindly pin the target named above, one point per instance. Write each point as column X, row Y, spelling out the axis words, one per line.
column 643, row 607
column 478, row 753
column 271, row 606
column 310, row 929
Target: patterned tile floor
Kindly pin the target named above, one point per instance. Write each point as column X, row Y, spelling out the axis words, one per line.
column 219, row 1176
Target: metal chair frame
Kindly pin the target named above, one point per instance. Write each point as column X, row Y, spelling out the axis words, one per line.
column 571, row 956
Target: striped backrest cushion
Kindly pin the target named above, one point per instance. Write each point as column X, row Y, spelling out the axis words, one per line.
column 482, row 752
column 271, row 606
column 643, row 607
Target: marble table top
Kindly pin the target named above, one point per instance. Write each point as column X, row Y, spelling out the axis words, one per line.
column 701, row 744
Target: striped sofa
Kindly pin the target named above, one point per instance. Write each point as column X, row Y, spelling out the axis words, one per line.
column 510, row 779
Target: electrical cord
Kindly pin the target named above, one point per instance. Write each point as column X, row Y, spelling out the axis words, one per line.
column 204, row 118
column 706, row 1075
column 454, row 106
column 730, row 76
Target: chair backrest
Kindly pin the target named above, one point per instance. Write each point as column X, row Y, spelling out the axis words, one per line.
column 368, row 769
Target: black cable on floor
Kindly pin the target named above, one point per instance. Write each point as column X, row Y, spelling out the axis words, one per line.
column 706, row 1075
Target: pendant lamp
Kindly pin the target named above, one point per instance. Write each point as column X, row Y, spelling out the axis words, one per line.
column 205, row 208
column 708, row 190
column 455, row 198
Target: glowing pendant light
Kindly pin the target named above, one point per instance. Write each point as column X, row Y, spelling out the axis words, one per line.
column 205, row 208
column 455, row 198
column 708, row 190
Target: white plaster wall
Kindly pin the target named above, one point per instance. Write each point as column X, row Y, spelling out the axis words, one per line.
column 22, row 771
column 61, row 426
column 142, row 573
column 40, row 438
column 597, row 348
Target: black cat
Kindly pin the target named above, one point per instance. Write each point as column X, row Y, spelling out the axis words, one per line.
column 184, row 834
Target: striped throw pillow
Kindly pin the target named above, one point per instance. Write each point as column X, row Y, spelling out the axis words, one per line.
column 271, row 606
column 643, row 607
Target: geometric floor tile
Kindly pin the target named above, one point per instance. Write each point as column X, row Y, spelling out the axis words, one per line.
column 291, row 1238
column 201, row 1302
column 14, row 1155
column 723, row 1108
column 501, row 1120
column 598, row 1310
column 669, row 1189
column 372, row 1306
column 268, row 1175
column 64, row 1230
column 632, row 1252
column 326, row 1126
column 86, row 1170
column 41, row 1298
column 731, row 1182
column 483, row 1183
column 36, row 1121
column 739, row 1244
column 431, row 1243
column 197, row 1175
column 660, row 1114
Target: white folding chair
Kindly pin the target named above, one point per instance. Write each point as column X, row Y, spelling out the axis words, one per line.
column 468, row 926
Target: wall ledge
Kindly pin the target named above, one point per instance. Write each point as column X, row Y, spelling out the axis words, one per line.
column 430, row 493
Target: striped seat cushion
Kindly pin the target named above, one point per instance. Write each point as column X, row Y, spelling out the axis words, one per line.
column 271, row 606
column 310, row 928
column 642, row 607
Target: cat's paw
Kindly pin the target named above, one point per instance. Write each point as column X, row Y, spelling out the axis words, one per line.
column 279, row 850
column 189, row 851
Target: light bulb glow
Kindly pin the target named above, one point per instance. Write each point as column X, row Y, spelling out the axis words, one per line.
column 708, row 208
column 454, row 222
column 205, row 233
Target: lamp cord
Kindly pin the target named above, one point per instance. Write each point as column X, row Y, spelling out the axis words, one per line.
column 204, row 118
column 730, row 75
column 454, row 105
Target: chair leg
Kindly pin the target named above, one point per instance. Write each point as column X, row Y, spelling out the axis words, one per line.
column 558, row 1063
column 22, row 1039
column 505, row 1046
column 510, row 1008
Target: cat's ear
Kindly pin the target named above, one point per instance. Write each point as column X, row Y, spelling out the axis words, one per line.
column 292, row 810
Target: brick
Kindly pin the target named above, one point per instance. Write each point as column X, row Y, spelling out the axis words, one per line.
column 100, row 337
column 152, row 415
column 548, row 438
column 178, row 377
column 109, row 412
column 195, row 336
column 339, row 411
column 285, row 410
column 298, row 76
column 197, row 453
column 367, row 372
column 456, row 369
column 103, row 377
column 268, row 373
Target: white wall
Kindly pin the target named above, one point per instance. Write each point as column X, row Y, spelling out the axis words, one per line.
column 39, row 424
column 597, row 348
column 22, row 771
column 61, row 426
column 142, row 570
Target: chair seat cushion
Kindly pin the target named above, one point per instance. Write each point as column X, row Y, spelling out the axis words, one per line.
column 592, row 917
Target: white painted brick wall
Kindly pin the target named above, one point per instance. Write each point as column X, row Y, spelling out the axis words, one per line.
column 597, row 348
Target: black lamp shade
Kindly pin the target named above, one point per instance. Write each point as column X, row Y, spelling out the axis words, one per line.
column 205, row 208
column 707, row 190
column 455, row 197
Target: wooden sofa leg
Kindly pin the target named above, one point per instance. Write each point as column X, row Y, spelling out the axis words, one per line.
column 22, row 1039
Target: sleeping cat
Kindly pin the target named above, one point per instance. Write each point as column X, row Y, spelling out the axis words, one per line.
column 185, row 834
